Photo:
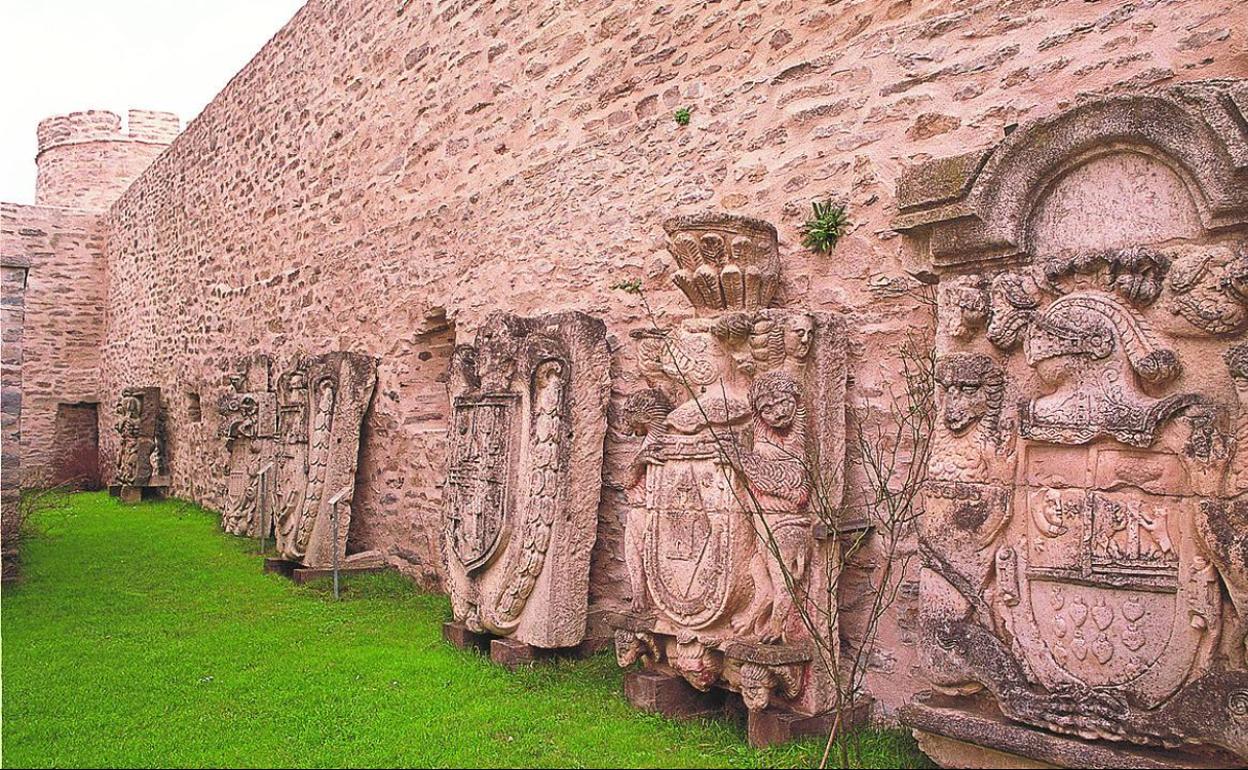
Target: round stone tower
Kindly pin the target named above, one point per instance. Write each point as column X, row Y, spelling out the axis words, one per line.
column 86, row 161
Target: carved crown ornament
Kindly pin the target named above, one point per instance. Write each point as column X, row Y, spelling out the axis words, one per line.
column 724, row 262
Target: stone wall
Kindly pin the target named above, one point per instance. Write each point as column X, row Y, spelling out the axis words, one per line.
column 384, row 174
column 12, row 325
column 55, row 267
column 63, row 334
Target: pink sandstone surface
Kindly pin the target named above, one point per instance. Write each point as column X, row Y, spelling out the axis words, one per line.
column 384, row 175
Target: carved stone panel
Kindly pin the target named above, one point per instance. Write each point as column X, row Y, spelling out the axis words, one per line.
column 141, row 458
column 248, row 413
column 321, row 403
column 1082, row 538
column 293, row 445
column 741, row 430
column 529, row 399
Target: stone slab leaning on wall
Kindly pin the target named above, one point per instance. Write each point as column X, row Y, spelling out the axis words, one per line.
column 293, row 452
column 141, row 459
column 529, row 418
column 740, row 471
column 1083, row 537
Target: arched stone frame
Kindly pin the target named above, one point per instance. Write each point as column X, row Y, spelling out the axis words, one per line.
column 975, row 207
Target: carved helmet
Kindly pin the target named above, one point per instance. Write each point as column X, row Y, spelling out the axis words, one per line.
column 1094, row 325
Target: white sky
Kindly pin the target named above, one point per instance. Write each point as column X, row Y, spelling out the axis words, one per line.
column 62, row 56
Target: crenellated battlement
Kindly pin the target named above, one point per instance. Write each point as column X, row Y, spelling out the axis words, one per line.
column 152, row 126
column 78, row 127
column 87, row 159
column 105, row 126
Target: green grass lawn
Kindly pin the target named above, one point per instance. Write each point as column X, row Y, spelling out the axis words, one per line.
column 143, row 636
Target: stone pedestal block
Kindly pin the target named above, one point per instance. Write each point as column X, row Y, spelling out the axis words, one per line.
column 511, row 654
column 459, row 635
column 303, row 575
column 954, row 735
column 671, row 696
column 280, row 566
column 773, row 725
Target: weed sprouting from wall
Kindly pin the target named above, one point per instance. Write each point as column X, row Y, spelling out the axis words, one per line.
column 830, row 221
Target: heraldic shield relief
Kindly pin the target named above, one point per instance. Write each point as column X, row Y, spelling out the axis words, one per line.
column 1115, row 593
column 248, row 411
column 479, row 477
column 292, row 449
column 745, row 405
column 693, row 527
column 524, row 474
column 1083, row 538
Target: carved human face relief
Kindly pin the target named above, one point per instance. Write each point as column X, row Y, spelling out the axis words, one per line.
column 799, row 337
column 777, row 409
column 756, row 685
column 696, row 664
column 774, row 399
column 129, row 407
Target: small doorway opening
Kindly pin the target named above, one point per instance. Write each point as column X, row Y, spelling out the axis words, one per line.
column 76, row 451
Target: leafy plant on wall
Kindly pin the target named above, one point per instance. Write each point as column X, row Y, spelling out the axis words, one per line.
column 824, row 229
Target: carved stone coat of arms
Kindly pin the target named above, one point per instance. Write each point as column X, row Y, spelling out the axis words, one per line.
column 1083, row 540
column 293, row 449
column 741, row 436
column 524, row 474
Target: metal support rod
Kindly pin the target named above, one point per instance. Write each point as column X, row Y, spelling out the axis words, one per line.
column 333, row 514
column 262, row 506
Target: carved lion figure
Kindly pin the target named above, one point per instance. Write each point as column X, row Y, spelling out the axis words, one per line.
column 974, row 390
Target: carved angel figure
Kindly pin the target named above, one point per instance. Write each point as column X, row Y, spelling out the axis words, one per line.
column 777, row 476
